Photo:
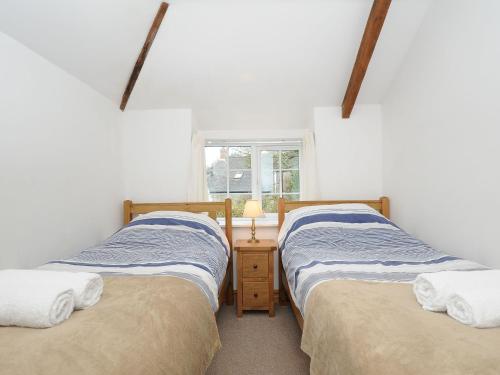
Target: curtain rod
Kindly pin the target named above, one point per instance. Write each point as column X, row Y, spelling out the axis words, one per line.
column 254, row 142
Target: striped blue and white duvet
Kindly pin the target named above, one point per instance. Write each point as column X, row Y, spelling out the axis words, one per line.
column 180, row 244
column 353, row 241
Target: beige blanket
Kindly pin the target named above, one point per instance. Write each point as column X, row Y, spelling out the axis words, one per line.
column 142, row 325
column 356, row 327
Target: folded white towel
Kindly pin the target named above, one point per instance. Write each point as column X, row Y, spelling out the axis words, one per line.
column 433, row 290
column 33, row 301
column 478, row 308
column 87, row 287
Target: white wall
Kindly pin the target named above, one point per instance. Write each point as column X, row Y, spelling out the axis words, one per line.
column 349, row 152
column 156, row 151
column 442, row 131
column 59, row 161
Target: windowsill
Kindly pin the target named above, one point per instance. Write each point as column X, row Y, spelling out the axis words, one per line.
column 243, row 222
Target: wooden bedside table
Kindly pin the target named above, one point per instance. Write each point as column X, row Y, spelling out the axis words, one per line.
column 255, row 275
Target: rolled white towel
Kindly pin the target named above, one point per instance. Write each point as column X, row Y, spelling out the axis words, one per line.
column 87, row 287
column 433, row 290
column 478, row 308
column 33, row 301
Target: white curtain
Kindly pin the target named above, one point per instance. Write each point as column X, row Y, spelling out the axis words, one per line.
column 309, row 182
column 197, row 188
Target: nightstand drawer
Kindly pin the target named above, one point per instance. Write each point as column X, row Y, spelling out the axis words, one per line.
column 255, row 294
column 255, row 265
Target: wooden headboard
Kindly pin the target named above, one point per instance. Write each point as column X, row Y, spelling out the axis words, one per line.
column 213, row 209
column 381, row 205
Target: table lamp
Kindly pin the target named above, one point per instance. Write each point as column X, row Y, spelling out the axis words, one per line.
column 253, row 209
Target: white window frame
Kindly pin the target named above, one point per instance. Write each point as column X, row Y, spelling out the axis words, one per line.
column 257, row 146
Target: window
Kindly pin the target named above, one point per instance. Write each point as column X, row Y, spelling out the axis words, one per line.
column 258, row 170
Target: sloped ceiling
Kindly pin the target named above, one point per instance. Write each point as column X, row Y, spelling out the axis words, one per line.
column 237, row 64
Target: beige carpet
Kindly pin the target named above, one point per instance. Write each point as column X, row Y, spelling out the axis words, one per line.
column 258, row 345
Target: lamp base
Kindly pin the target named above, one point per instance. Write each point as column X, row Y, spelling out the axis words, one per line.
column 252, row 229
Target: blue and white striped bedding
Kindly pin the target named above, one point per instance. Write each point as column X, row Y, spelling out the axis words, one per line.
column 353, row 241
column 167, row 243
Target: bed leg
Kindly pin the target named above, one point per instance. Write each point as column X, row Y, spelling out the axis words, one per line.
column 230, row 291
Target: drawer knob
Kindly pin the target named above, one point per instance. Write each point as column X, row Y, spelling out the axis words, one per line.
column 255, row 266
column 255, row 295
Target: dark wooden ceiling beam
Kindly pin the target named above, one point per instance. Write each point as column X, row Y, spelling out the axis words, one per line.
column 372, row 31
column 144, row 53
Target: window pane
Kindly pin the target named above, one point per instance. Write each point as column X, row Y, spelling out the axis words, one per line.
column 291, row 182
column 270, row 158
column 270, row 181
column 240, row 157
column 240, row 181
column 270, row 178
column 290, row 159
column 216, row 165
column 270, row 203
column 238, row 201
column 291, row 197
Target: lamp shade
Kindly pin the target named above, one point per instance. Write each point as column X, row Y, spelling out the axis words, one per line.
column 253, row 209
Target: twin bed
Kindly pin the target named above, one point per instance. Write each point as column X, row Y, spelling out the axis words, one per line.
column 330, row 253
column 145, row 323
